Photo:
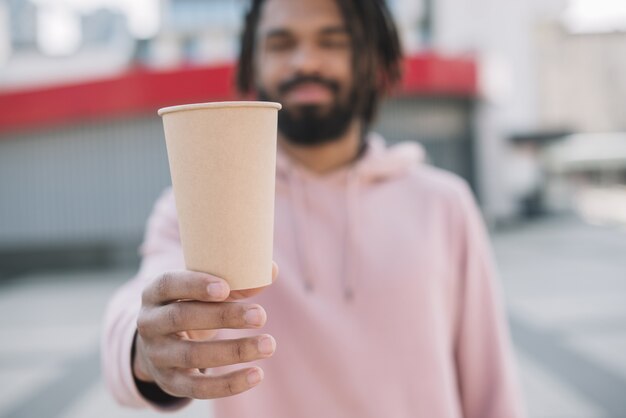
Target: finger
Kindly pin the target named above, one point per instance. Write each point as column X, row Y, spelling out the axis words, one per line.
column 237, row 295
column 274, row 271
column 196, row 385
column 189, row 316
column 248, row 293
column 182, row 285
column 208, row 354
column 199, row 334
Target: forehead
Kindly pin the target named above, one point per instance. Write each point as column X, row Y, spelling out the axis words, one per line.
column 299, row 15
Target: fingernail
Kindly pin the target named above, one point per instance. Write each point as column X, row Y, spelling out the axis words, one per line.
column 267, row 345
column 253, row 316
column 216, row 289
column 254, row 377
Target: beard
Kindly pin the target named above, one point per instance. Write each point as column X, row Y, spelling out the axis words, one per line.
column 311, row 125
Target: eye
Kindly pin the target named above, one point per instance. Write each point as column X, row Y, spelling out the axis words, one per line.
column 279, row 44
column 335, row 42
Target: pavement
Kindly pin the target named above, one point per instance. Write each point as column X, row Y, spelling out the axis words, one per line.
column 565, row 290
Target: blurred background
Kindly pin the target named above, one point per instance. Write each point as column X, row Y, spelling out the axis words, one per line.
column 524, row 99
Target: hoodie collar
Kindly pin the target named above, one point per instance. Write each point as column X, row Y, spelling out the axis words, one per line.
column 379, row 162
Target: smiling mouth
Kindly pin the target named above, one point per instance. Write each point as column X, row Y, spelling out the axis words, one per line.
column 312, row 93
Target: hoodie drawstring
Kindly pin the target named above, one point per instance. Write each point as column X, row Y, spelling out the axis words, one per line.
column 298, row 197
column 378, row 163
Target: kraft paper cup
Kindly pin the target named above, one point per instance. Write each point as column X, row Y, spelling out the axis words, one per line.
column 222, row 159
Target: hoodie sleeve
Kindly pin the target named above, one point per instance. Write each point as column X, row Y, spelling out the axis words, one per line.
column 486, row 370
column 161, row 251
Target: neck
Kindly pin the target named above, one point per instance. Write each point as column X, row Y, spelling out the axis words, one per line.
column 324, row 158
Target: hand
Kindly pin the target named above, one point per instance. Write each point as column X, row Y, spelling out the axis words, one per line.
column 181, row 312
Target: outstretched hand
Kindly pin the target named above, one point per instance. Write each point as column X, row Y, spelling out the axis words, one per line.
column 180, row 315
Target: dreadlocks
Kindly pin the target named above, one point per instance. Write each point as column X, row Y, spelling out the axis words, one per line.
column 376, row 51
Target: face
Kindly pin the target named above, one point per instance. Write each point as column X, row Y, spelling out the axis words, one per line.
column 303, row 60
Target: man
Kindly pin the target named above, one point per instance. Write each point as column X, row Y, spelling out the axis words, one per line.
column 385, row 306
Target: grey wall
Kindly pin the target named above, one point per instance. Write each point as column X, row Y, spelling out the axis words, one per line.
column 442, row 125
column 78, row 188
column 80, row 195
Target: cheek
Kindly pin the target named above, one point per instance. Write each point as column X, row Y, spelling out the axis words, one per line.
column 268, row 74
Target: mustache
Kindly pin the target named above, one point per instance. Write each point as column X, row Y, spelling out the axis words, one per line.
column 306, row 79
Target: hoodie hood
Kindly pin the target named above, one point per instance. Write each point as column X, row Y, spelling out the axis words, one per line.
column 378, row 163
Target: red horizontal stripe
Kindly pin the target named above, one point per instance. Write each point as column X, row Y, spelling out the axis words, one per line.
column 141, row 91
column 430, row 74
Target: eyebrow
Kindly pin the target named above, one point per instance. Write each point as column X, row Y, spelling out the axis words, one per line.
column 339, row 30
column 281, row 33
column 276, row 33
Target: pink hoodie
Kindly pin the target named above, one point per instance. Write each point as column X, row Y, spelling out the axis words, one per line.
column 386, row 303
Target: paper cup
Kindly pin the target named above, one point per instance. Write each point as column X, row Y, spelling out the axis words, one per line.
column 222, row 159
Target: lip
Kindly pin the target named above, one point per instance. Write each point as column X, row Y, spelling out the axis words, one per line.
column 309, row 93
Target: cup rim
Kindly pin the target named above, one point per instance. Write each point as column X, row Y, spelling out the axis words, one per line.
column 217, row 105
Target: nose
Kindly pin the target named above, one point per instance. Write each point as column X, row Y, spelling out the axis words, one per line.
column 306, row 60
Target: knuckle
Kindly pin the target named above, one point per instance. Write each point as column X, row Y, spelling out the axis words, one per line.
column 145, row 296
column 143, row 323
column 189, row 356
column 163, row 285
column 239, row 352
column 230, row 387
column 225, row 386
column 232, row 315
column 175, row 317
column 224, row 315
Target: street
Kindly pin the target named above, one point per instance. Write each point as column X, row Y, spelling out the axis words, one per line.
column 565, row 288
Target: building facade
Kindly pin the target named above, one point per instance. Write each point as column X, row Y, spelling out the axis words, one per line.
column 80, row 171
column 480, row 73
